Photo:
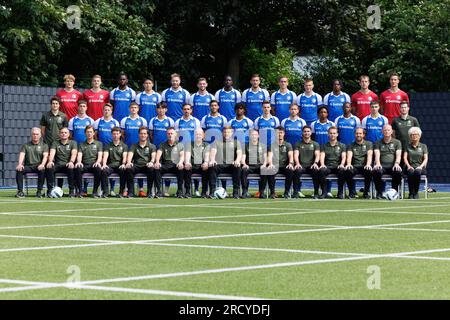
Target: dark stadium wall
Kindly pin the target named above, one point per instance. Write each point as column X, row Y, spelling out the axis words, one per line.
column 21, row 108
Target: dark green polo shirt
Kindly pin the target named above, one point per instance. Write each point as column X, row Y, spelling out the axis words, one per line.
column 306, row 152
column 359, row 152
column 34, row 153
column 415, row 154
column 281, row 157
column 226, row 151
column 63, row 152
column 198, row 152
column 401, row 127
column 333, row 154
column 142, row 155
column 170, row 153
column 387, row 151
column 52, row 125
column 115, row 153
column 255, row 154
column 90, row 151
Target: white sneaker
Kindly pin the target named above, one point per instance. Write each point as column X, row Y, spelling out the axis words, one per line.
column 112, row 194
column 197, row 194
column 301, row 195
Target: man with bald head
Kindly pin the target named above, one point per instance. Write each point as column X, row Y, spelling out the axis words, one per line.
column 32, row 159
column 388, row 153
column 196, row 160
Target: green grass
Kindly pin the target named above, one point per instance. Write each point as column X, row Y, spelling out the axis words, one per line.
column 190, row 249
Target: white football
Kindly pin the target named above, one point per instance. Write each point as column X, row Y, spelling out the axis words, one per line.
column 391, row 194
column 57, row 192
column 220, row 193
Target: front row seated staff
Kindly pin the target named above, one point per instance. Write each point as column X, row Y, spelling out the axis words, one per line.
column 32, row 159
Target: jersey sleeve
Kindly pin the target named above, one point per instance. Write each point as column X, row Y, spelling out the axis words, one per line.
column 277, row 122
column 266, row 95
column 202, row 123
column 138, row 98
column 188, row 96
column 123, row 123
column 238, row 96
column 176, row 125
column 217, row 96
column 244, row 96
column 70, row 126
column 256, row 124
column 358, row 122
column 347, row 98
column 111, row 95
column 144, row 122
column 191, row 99
column 96, row 122
column 133, row 95
column 250, row 124
column 319, row 99
column 159, row 98
column 312, row 127
column 171, row 122
column 325, row 100
column 386, row 121
column 229, row 123
column 298, row 99
column 283, row 123
column 272, row 98
column 197, row 123
column 224, row 119
column 163, row 95
column 91, row 121
column 364, row 123
column 150, row 123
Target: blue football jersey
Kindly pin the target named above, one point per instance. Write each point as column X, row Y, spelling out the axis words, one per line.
column 266, row 128
column 320, row 131
column 131, row 129
column 293, row 128
column 122, row 100
column 77, row 126
column 335, row 103
column 253, row 102
column 374, row 127
column 103, row 129
column 175, row 101
column 213, row 127
column 241, row 129
column 282, row 102
column 308, row 106
column 200, row 103
column 227, row 100
column 347, row 127
column 186, row 129
column 147, row 104
column 159, row 128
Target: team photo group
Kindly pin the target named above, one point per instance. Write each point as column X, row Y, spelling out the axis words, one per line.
column 199, row 139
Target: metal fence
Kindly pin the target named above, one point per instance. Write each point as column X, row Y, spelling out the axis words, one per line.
column 21, row 108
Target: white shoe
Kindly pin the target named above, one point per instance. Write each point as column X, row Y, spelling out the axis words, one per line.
column 197, row 194
column 112, row 194
column 301, row 195
column 329, row 195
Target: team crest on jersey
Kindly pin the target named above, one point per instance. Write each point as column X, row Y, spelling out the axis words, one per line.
column 313, row 100
column 352, row 122
column 409, row 123
column 342, row 99
column 260, row 96
column 380, row 123
column 233, row 96
column 146, row 150
column 101, row 96
column 369, row 98
column 398, row 97
column 208, row 100
column 166, row 124
column 74, row 96
column 94, row 147
column 192, row 124
column 364, row 147
column 111, row 125
column 58, row 120
column 289, row 98
column 154, row 99
column 180, row 96
column 127, row 95
column 120, row 148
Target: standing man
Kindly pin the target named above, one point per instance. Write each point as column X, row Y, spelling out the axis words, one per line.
column 196, row 160
column 293, row 125
column 131, row 125
column 266, row 124
column 186, row 125
column 402, row 124
column 281, row 160
column 89, row 159
column 170, row 159
column 374, row 123
column 227, row 98
column 104, row 125
column 52, row 121
column 32, row 159
column 361, row 100
column 62, row 158
column 391, row 99
column 308, row 102
column 307, row 160
column 347, row 124
column 141, row 159
column 320, row 127
column 359, row 161
column 121, row 97
column 175, row 97
column 69, row 97
column 114, row 161
column 158, row 125
column 254, row 97
column 225, row 157
column 388, row 153
column 253, row 159
column 96, row 98
column 241, row 124
column 200, row 101
column 148, row 100
column 213, row 123
column 335, row 100
column 78, row 124
column 283, row 99
column 332, row 160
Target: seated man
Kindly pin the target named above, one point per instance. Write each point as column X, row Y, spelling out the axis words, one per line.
column 32, row 159
column 114, row 161
column 141, row 159
column 307, row 158
column 89, row 159
column 359, row 161
column 388, row 153
column 281, row 160
column 254, row 157
column 225, row 158
column 196, row 160
column 170, row 159
column 332, row 160
column 63, row 154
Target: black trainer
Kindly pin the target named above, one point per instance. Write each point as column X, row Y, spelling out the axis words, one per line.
column 39, row 194
column 20, row 194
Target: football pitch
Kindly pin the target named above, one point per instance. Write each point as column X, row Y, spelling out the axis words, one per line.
column 224, row 249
